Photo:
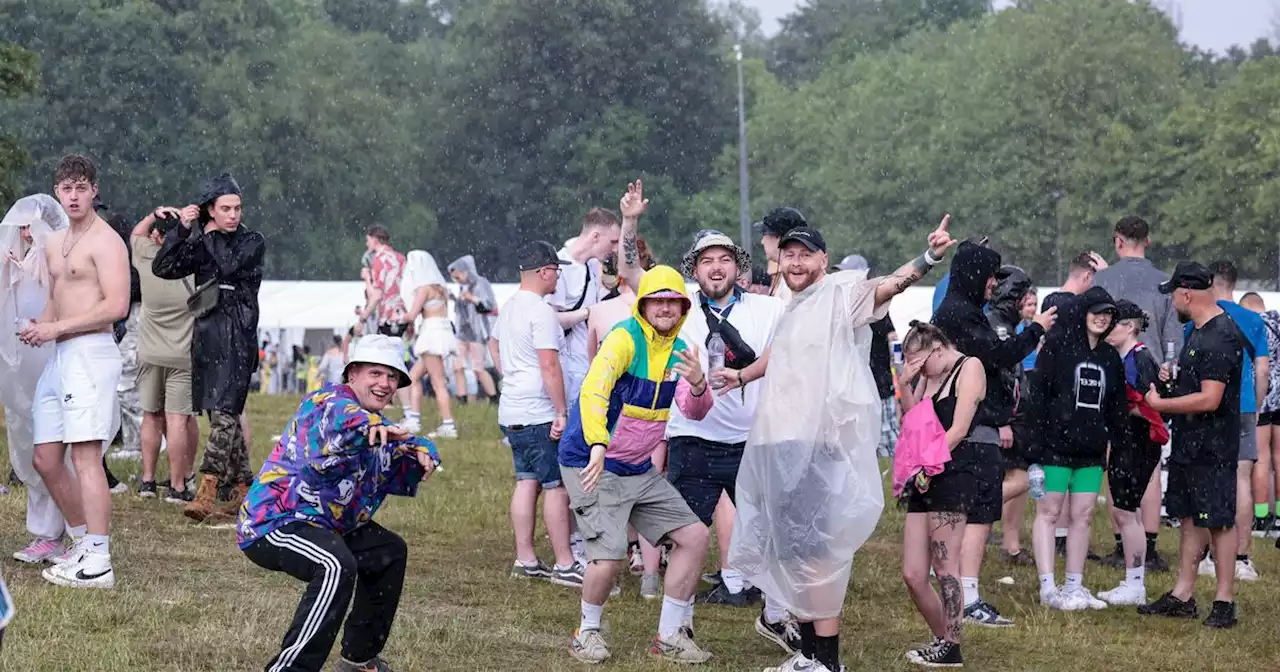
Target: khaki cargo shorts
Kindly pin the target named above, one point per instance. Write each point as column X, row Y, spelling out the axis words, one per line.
column 647, row 501
column 166, row 389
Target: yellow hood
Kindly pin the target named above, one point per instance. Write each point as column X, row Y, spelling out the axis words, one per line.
column 663, row 281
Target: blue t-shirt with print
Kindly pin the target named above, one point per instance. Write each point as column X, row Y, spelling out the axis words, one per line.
column 1255, row 331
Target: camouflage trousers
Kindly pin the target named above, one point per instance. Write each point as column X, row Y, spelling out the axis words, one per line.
column 127, row 387
column 226, row 455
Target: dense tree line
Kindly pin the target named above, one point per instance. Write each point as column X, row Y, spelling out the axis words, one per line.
column 466, row 126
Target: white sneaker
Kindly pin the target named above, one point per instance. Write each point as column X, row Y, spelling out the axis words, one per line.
column 119, row 489
column 1125, row 594
column 1245, row 571
column 413, row 425
column 799, row 663
column 1088, row 598
column 93, row 570
column 446, row 430
column 71, row 553
column 40, row 550
column 1207, row 567
column 1063, row 599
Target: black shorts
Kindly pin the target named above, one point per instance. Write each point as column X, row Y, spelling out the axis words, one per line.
column 971, row 484
column 393, row 329
column 1204, row 493
column 1129, row 474
column 700, row 470
column 1269, row 418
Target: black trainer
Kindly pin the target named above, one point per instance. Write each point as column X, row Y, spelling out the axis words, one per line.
column 147, row 490
column 1170, row 606
column 1261, row 526
column 180, row 496
column 1113, row 559
column 720, row 595
column 940, row 654
column 713, row 579
column 784, row 633
column 1155, row 563
column 1221, row 615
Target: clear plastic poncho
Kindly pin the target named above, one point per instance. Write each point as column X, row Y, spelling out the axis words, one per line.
column 809, row 492
column 24, row 290
column 420, row 270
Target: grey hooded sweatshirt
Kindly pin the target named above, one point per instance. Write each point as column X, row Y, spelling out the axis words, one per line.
column 1136, row 279
column 474, row 320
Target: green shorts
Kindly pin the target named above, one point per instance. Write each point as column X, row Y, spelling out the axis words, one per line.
column 1066, row 479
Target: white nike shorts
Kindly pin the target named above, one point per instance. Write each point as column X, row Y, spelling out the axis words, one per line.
column 76, row 395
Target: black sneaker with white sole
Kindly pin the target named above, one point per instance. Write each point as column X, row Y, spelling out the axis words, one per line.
column 570, row 576
column 183, row 497
column 147, row 490
column 983, row 614
column 941, row 654
column 722, row 596
column 784, row 633
column 538, row 570
column 712, row 578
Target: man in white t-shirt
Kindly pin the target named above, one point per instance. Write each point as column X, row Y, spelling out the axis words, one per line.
column 579, row 288
column 532, row 412
column 703, row 456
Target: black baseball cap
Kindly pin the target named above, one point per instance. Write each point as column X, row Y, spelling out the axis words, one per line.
column 781, row 220
column 810, row 238
column 537, row 254
column 1188, row 275
column 1128, row 310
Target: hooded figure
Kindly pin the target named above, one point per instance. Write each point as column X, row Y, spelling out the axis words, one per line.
column 961, row 318
column 24, row 290
column 420, row 270
column 224, row 350
column 627, row 394
column 474, row 318
column 1081, row 403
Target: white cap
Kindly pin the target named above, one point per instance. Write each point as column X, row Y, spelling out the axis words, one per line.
column 380, row 349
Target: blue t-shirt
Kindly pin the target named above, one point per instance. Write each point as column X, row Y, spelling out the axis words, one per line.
column 940, row 290
column 1028, row 364
column 1255, row 331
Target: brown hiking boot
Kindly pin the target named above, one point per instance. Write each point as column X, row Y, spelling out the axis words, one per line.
column 206, row 493
column 230, row 509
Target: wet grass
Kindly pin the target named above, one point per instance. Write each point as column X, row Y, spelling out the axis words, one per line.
column 187, row 600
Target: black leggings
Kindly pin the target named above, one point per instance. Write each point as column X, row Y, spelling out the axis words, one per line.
column 367, row 562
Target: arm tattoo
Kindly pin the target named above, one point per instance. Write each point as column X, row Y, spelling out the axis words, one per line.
column 919, row 265
column 630, row 250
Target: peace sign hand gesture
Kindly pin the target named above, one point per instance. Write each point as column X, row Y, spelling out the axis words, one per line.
column 633, row 202
column 940, row 240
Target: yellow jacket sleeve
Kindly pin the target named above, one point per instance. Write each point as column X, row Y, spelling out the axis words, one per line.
column 611, row 361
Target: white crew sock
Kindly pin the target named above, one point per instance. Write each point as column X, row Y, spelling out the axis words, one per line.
column 412, row 415
column 673, row 616
column 446, row 422
column 76, row 533
column 97, row 543
column 591, row 614
column 1060, row 533
column 773, row 612
column 1136, row 576
column 970, row 585
column 1046, row 583
column 1071, row 580
column 732, row 579
column 688, row 616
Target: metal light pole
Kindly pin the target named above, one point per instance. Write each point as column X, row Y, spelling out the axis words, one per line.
column 744, row 206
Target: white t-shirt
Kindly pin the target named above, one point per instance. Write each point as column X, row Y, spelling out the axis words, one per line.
column 755, row 316
column 525, row 326
column 573, row 278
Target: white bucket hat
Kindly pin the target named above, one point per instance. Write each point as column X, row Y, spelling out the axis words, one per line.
column 379, row 349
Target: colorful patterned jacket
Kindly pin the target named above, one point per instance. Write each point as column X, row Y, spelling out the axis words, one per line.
column 627, row 394
column 324, row 471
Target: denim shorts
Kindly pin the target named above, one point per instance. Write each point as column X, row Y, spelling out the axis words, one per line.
column 701, row 469
column 534, row 454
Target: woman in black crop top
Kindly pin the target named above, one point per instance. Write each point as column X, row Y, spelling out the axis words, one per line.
column 938, row 507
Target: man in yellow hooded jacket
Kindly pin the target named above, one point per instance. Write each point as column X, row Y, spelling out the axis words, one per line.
column 642, row 367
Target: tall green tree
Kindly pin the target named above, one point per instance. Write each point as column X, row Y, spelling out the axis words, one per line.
column 19, row 75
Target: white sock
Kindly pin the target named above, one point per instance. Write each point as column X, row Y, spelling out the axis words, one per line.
column 76, row 532
column 688, row 616
column 732, row 579
column 673, row 615
column 1136, row 576
column 1071, row 580
column 97, row 543
column 1046, row 583
column 412, row 415
column 446, row 422
column 590, row 617
column 970, row 585
column 773, row 612
column 1060, row 532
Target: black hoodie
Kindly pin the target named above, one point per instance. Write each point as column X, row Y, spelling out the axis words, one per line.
column 1081, row 403
column 961, row 318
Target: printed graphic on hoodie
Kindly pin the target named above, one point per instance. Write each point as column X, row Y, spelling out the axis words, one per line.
column 1091, row 383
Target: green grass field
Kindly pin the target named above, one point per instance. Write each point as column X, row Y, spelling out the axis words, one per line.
column 188, row 600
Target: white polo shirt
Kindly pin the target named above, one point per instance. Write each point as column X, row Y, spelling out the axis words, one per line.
column 756, row 317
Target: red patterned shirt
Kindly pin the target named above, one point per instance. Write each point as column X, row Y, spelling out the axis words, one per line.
column 386, row 269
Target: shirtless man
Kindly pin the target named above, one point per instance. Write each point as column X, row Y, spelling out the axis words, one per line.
column 75, row 398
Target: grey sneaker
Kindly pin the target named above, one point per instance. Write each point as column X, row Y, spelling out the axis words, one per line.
column 375, row 665
column 588, row 647
column 570, row 576
column 679, row 648
column 650, row 586
column 520, row 570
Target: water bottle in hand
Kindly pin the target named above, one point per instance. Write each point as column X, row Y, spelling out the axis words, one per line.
column 1036, row 475
column 715, row 359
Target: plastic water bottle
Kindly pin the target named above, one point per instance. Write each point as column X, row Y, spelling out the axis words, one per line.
column 715, row 359
column 1171, row 358
column 1036, row 475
